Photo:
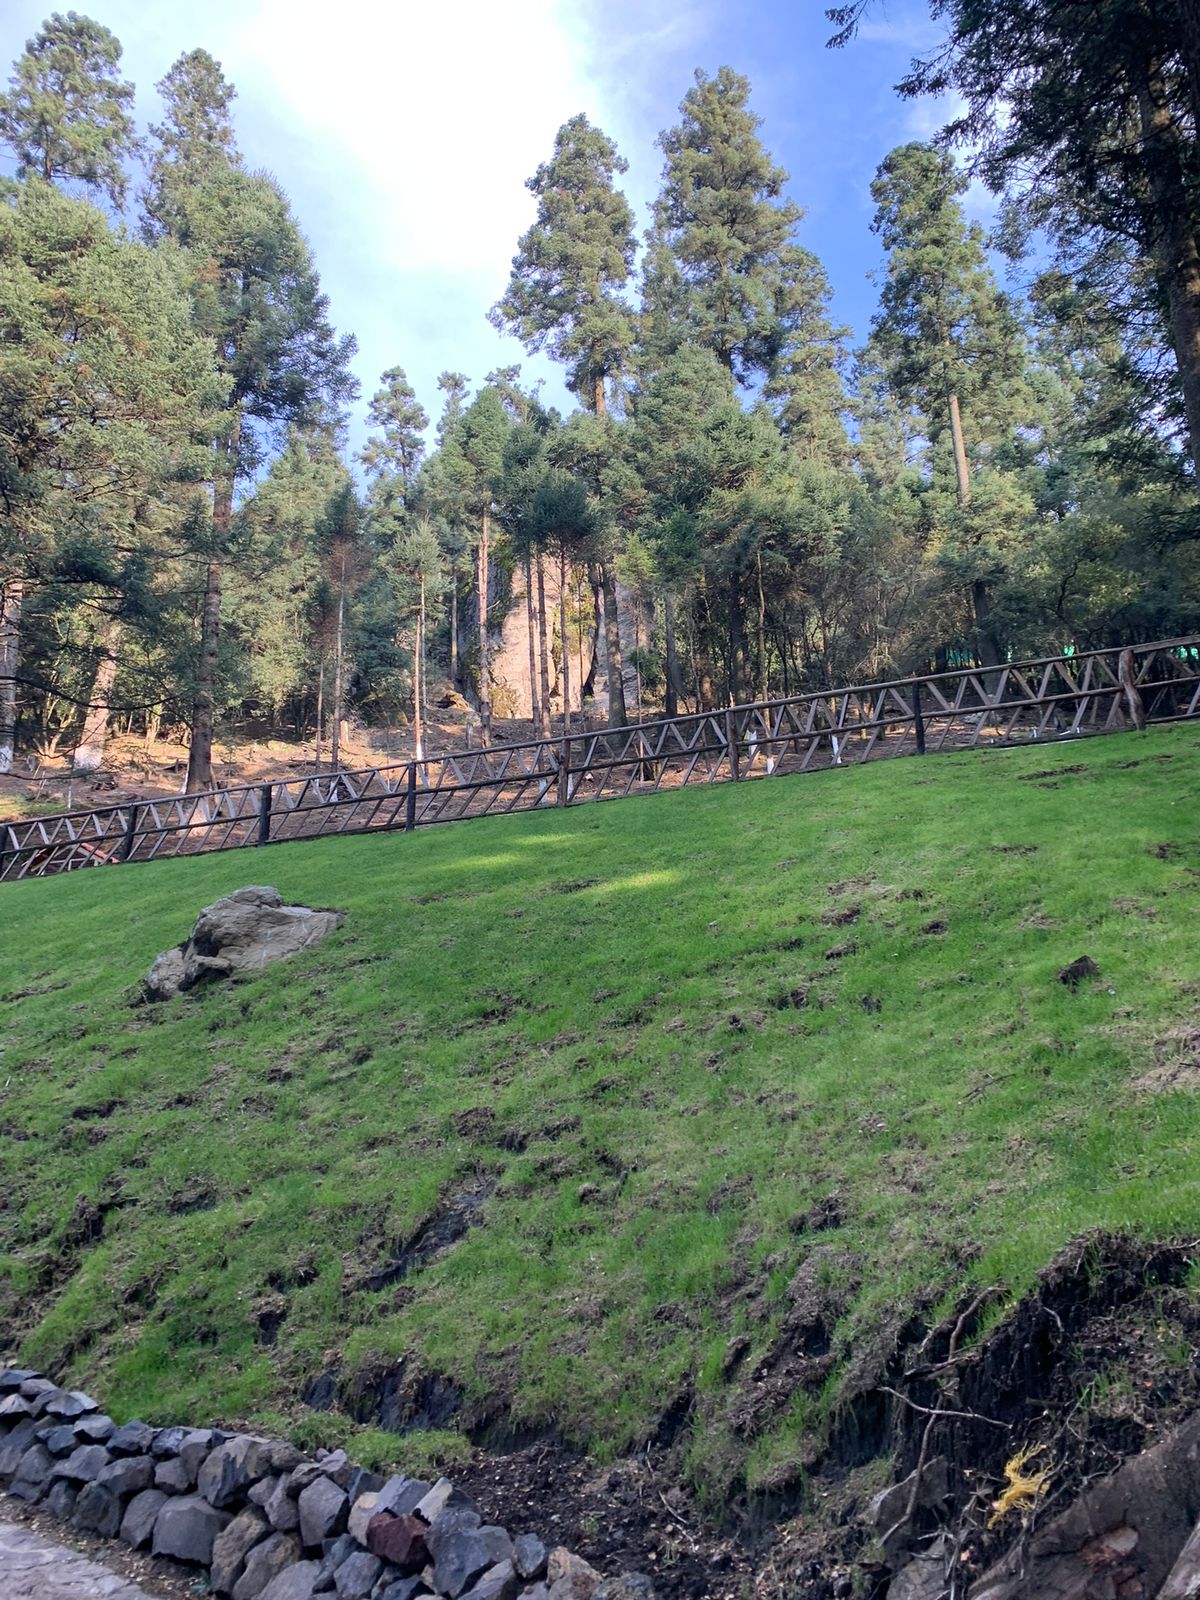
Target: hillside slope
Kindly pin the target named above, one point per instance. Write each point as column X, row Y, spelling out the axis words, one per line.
column 644, row 1121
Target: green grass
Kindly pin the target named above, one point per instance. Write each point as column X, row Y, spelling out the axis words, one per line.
column 602, row 989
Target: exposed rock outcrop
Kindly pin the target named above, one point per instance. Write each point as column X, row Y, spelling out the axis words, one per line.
column 240, row 933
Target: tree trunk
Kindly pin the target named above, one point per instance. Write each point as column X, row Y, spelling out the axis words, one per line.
column 618, row 713
column 702, row 652
column 543, row 650
column 764, row 686
column 962, row 470
column 454, row 631
column 200, row 772
column 335, row 738
column 481, row 584
column 986, row 643
column 11, row 595
column 531, row 623
column 89, row 752
column 320, row 710
column 566, row 641
column 673, row 691
column 599, row 400
column 1175, row 248
column 737, row 642
column 418, row 674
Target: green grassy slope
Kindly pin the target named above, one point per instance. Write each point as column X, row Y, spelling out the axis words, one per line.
column 628, row 1018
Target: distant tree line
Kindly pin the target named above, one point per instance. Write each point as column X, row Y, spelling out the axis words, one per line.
column 1004, row 468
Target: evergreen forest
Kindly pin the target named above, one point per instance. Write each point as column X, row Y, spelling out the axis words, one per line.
column 739, row 505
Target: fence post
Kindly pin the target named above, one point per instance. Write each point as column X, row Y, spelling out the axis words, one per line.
column 264, row 815
column 410, row 803
column 918, row 719
column 731, row 746
column 564, row 773
column 130, row 838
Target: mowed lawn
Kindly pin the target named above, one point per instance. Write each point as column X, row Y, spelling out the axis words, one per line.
column 645, row 1041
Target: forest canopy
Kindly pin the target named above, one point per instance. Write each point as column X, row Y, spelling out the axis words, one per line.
column 740, row 505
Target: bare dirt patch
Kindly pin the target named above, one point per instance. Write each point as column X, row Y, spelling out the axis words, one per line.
column 1176, row 1062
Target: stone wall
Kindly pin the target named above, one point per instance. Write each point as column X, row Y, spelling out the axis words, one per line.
column 265, row 1522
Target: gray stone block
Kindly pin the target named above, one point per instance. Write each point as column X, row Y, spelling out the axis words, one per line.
column 323, row 1511
column 356, row 1576
column 137, row 1525
column 127, row 1476
column 401, row 1496
column 293, row 1583
column 173, row 1476
column 529, row 1556
column 33, row 1474
column 266, row 1561
column 132, row 1439
column 231, row 1547
column 83, row 1464
column 98, row 1510
column 96, row 1428
column 187, row 1528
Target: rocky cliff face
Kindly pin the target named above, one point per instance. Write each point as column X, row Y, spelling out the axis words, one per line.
column 510, row 664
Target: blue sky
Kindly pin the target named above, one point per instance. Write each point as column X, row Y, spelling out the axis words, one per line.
column 403, row 133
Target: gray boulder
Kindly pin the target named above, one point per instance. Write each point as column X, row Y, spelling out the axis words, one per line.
column 137, row 1525
column 323, row 1511
column 230, row 1469
column 33, row 1474
column 498, row 1583
column 126, row 1476
column 15, row 1446
column 402, row 1495
column 442, row 1497
column 98, row 1510
column 238, row 934
column 94, row 1429
column 356, row 1576
column 231, row 1547
column 71, row 1405
column 282, row 1511
column 132, row 1439
column 460, row 1555
column 60, row 1502
column 266, row 1561
column 529, row 1556
column 404, row 1589
column 293, row 1583
column 187, row 1528
column 173, row 1476
column 83, row 1464
column 59, row 1441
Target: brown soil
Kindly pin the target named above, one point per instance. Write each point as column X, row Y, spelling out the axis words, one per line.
column 628, row 1517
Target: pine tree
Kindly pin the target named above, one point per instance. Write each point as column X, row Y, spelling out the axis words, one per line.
column 258, row 297
column 193, row 144
column 107, row 386
column 565, row 291
column 463, row 479
column 806, row 352
column 950, row 339
column 1091, row 116
column 395, row 450
column 66, row 115
column 723, row 218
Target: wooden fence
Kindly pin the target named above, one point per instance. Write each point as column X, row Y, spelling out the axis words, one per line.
column 1091, row 692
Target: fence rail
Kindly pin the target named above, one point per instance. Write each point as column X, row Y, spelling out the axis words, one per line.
column 1097, row 691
